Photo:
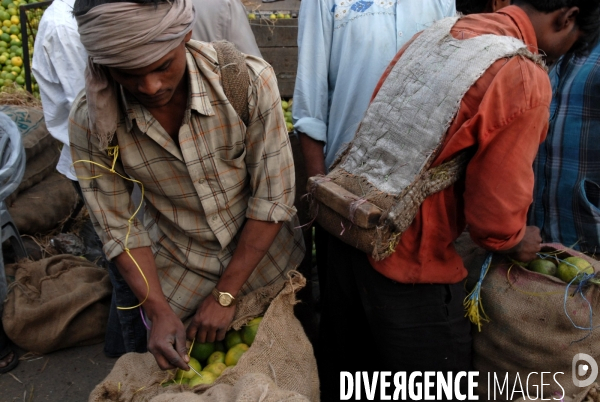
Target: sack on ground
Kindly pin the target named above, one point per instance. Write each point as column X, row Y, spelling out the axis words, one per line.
column 529, row 329
column 280, row 364
column 56, row 303
column 42, row 151
column 44, row 206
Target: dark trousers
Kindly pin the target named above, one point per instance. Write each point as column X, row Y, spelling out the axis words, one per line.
column 125, row 330
column 372, row 323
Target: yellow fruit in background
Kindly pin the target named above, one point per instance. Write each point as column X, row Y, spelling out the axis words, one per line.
column 205, row 377
column 15, row 20
column 232, row 338
column 16, row 61
column 290, row 126
column 216, row 357
column 571, row 267
column 216, row 368
column 284, row 104
column 249, row 330
column 7, row 23
column 251, row 16
column 273, row 17
column 233, row 355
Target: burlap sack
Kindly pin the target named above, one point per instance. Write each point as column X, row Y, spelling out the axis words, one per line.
column 45, row 205
column 529, row 330
column 37, row 169
column 31, row 124
column 56, row 303
column 42, row 151
column 280, row 364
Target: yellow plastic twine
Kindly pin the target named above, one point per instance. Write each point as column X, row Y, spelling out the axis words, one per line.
column 114, row 152
column 472, row 303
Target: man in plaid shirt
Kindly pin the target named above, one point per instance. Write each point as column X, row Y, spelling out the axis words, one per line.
column 566, row 203
column 219, row 193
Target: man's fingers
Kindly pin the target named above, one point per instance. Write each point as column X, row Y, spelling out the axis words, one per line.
column 181, row 347
column 221, row 332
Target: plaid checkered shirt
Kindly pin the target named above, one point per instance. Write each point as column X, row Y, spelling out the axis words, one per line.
column 198, row 193
column 566, row 203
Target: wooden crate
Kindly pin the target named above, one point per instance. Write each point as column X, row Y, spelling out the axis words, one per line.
column 278, row 44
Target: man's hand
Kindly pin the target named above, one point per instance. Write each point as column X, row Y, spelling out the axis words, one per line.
column 211, row 321
column 531, row 244
column 167, row 341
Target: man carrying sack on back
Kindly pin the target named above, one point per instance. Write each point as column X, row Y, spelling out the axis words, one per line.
column 473, row 88
column 217, row 178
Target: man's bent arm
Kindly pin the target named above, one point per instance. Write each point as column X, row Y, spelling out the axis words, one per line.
column 211, row 319
column 167, row 335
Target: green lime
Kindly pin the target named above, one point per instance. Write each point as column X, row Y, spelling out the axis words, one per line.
column 189, row 373
column 205, row 377
column 216, row 368
column 572, row 267
column 216, row 357
column 233, row 355
column 232, row 338
column 542, row 266
column 249, row 330
column 201, row 351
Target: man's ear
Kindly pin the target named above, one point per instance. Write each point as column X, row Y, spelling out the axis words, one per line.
column 498, row 4
column 566, row 19
column 188, row 36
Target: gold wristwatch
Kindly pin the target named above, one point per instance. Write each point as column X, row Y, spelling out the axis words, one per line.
column 223, row 298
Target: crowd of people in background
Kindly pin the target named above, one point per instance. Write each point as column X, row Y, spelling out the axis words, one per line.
column 219, row 218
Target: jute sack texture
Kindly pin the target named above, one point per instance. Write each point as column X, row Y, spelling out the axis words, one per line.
column 389, row 165
column 44, row 206
column 280, row 364
column 529, row 330
column 56, row 303
column 42, row 151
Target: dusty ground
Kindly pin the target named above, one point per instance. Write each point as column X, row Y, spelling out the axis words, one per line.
column 63, row 376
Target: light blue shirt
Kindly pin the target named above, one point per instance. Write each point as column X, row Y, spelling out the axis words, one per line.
column 344, row 47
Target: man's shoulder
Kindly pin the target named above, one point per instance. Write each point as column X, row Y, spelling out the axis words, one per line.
column 205, row 53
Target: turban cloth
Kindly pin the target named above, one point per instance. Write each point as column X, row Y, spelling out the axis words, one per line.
column 125, row 36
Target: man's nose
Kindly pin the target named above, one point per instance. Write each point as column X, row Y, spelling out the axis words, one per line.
column 149, row 85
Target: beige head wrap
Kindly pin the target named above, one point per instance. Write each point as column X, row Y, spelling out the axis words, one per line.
column 126, row 36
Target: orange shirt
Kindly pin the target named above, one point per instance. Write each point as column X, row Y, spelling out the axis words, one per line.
column 504, row 117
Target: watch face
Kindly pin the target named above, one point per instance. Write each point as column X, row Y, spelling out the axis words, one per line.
column 224, row 299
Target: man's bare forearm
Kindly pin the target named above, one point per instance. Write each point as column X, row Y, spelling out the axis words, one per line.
column 255, row 241
column 156, row 302
column 314, row 157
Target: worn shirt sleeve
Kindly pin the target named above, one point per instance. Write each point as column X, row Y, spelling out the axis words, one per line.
column 224, row 20
column 107, row 195
column 311, row 90
column 268, row 158
column 511, row 123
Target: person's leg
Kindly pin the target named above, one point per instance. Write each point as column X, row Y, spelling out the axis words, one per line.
column 133, row 330
column 420, row 327
column 346, row 340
